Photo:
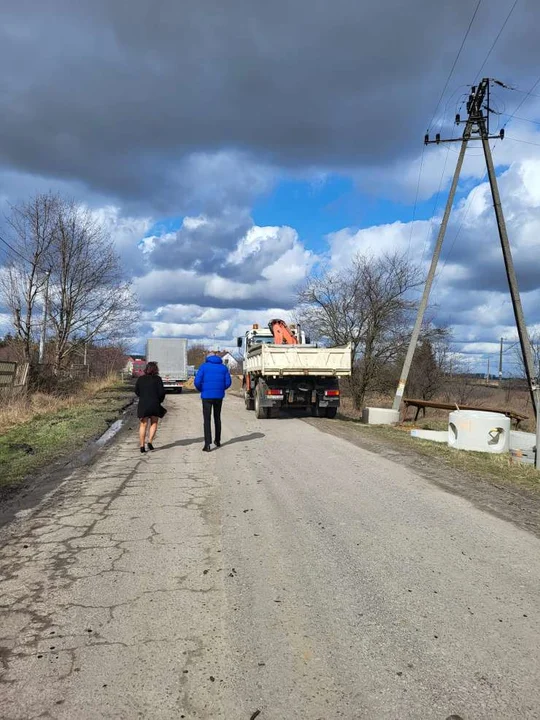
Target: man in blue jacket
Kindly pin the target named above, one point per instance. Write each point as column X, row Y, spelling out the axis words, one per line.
column 212, row 379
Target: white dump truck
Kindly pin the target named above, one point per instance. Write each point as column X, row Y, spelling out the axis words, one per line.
column 171, row 357
column 283, row 369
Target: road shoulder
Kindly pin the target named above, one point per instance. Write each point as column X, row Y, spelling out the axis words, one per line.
column 518, row 504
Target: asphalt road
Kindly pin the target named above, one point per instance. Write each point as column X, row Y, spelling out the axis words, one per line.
column 289, row 572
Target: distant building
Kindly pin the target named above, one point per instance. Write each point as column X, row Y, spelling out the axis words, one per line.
column 229, row 360
column 135, row 365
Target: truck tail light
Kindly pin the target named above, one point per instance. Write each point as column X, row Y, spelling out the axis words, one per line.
column 331, row 393
column 275, row 392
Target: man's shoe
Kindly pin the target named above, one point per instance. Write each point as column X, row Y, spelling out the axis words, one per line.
column 217, row 444
column 207, row 448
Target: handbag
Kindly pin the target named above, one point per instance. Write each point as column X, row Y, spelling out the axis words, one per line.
column 162, row 411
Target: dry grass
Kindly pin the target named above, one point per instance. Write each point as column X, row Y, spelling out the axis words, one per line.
column 505, row 398
column 490, row 466
column 17, row 410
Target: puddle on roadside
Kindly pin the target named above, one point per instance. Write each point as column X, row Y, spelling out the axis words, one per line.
column 110, row 432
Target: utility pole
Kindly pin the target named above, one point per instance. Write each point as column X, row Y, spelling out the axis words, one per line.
column 501, row 362
column 476, row 127
column 43, row 335
column 85, row 346
column 434, row 260
column 487, row 376
column 524, row 339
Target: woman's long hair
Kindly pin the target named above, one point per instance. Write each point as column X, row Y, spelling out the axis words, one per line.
column 151, row 369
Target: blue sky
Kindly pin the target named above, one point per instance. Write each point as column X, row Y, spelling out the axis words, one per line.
column 230, row 149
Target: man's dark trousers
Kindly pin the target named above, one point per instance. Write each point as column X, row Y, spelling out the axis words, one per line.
column 207, row 405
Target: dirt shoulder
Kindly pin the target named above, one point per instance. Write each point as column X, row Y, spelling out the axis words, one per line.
column 52, row 440
column 491, row 483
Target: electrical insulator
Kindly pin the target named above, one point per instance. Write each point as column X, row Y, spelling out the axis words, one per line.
column 458, row 119
column 426, row 139
column 501, row 134
column 438, row 138
column 473, row 89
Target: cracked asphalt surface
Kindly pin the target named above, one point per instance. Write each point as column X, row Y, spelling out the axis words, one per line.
column 290, row 572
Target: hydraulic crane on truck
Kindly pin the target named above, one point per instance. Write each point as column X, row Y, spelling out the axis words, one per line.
column 282, row 334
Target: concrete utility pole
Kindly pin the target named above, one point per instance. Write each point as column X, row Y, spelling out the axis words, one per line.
column 524, row 339
column 43, row 335
column 501, row 362
column 476, row 127
column 434, row 260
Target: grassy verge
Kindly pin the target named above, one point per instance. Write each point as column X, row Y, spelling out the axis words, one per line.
column 495, row 468
column 42, row 430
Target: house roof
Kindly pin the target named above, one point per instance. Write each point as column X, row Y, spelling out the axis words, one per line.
column 136, row 357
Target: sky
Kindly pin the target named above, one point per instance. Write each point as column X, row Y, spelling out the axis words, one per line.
column 230, row 149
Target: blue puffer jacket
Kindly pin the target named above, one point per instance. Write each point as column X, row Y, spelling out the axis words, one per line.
column 213, row 378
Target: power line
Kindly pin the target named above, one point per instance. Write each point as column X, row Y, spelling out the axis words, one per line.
column 436, row 204
column 478, row 74
column 5, row 242
column 468, row 206
column 455, row 62
column 525, row 142
column 416, row 199
column 22, row 257
column 527, row 95
column 515, row 117
column 525, row 92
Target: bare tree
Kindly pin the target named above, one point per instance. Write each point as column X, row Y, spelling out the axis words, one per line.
column 367, row 304
column 518, row 356
column 432, row 363
column 32, row 230
column 196, row 354
column 89, row 298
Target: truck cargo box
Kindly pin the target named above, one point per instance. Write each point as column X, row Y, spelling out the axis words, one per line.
column 281, row 360
column 171, row 357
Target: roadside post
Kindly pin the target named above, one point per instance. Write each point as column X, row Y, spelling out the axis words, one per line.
column 536, row 389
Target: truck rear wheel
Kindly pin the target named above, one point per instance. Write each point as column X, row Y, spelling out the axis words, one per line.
column 331, row 412
column 318, row 411
column 250, row 405
column 260, row 411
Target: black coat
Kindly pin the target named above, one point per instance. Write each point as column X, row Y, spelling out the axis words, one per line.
column 151, row 393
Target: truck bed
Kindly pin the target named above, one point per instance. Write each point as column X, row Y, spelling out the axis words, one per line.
column 281, row 360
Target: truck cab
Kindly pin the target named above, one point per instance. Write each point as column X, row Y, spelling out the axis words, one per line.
column 258, row 335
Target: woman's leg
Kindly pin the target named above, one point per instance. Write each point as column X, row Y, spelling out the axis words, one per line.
column 153, row 429
column 142, row 431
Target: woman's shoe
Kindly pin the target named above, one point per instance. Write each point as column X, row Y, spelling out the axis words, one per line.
column 150, row 446
column 143, row 449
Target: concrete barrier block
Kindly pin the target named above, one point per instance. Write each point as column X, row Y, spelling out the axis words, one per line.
column 380, row 416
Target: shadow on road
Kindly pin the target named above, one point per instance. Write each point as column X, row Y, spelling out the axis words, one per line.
column 181, row 443
column 244, row 438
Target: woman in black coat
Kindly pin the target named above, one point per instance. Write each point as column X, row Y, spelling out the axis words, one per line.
column 151, row 393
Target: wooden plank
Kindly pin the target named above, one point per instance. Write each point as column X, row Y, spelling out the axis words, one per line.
column 456, row 406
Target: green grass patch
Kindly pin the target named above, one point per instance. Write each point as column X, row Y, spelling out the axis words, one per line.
column 45, row 439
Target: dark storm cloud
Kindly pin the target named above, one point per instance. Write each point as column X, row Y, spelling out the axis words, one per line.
column 118, row 94
column 202, row 245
